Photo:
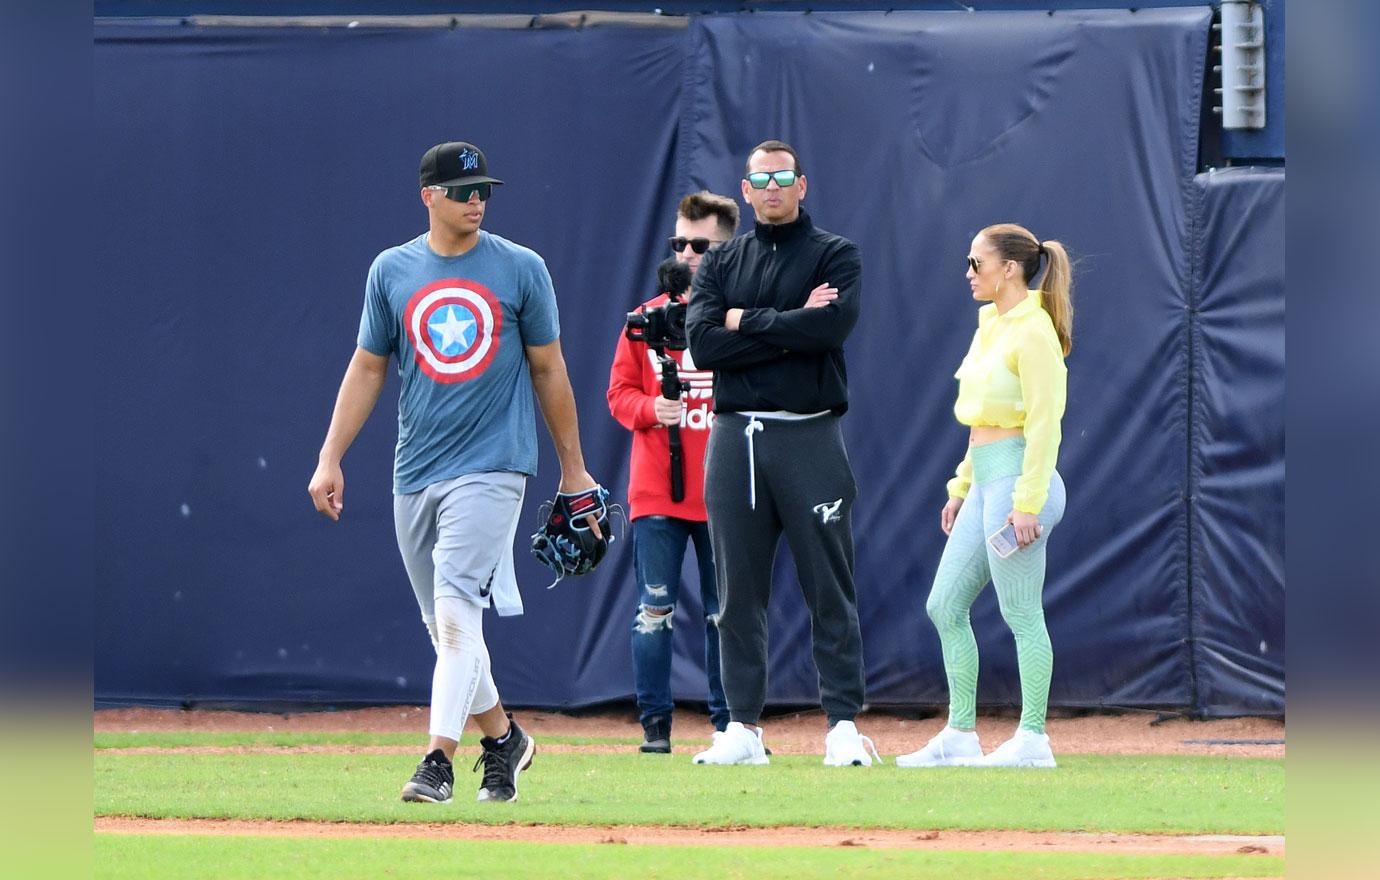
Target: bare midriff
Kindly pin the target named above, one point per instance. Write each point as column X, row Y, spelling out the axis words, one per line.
column 982, row 435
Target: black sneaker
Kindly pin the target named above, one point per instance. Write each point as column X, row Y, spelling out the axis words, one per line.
column 656, row 736
column 503, row 762
column 433, row 781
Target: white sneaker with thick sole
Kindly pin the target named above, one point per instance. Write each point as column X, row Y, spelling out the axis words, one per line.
column 845, row 747
column 950, row 748
column 735, row 744
column 1025, row 749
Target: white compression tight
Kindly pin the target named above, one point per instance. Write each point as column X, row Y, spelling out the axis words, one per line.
column 462, row 683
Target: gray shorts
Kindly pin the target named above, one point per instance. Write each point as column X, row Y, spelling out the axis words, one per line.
column 456, row 539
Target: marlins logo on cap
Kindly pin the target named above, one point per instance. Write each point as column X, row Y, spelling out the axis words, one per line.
column 453, row 164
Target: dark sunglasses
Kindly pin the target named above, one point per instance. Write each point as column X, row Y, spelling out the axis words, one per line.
column 464, row 191
column 698, row 245
column 976, row 265
column 760, row 179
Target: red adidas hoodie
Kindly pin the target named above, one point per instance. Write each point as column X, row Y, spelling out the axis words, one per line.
column 634, row 385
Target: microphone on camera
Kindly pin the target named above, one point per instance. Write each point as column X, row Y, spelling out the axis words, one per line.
column 673, row 277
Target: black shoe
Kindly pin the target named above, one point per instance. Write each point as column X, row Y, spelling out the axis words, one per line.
column 503, row 762
column 433, row 781
column 656, row 736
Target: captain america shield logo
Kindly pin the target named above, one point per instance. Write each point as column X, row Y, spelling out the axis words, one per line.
column 454, row 327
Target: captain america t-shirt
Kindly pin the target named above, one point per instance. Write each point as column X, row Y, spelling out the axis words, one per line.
column 458, row 326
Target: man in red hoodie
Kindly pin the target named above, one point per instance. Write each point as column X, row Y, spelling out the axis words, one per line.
column 662, row 527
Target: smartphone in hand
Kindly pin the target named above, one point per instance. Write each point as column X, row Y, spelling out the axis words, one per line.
column 1003, row 541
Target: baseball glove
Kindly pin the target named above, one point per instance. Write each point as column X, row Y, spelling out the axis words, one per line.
column 565, row 543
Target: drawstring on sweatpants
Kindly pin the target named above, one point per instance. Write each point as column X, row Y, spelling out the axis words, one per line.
column 753, row 426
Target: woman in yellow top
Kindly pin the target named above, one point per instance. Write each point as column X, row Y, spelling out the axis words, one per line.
column 1011, row 391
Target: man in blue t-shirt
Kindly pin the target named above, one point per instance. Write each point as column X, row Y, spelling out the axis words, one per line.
column 471, row 318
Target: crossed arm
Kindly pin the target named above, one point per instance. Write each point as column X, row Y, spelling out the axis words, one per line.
column 824, row 321
column 731, row 338
column 713, row 344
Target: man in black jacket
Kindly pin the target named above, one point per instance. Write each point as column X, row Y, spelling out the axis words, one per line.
column 769, row 315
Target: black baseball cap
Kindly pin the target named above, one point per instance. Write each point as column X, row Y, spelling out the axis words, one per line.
column 455, row 163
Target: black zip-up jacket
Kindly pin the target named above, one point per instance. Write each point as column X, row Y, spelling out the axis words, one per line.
column 783, row 356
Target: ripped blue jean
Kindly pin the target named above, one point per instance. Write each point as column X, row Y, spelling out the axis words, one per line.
column 658, row 550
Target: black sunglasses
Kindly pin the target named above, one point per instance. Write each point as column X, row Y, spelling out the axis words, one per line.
column 976, row 265
column 698, row 245
column 464, row 191
column 760, row 179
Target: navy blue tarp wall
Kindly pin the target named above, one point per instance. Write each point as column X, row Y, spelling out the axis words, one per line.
column 251, row 175
column 1237, row 466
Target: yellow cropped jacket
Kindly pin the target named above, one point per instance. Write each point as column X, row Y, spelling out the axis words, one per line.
column 1014, row 377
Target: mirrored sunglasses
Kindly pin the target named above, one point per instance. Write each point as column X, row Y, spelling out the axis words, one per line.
column 464, row 191
column 760, row 179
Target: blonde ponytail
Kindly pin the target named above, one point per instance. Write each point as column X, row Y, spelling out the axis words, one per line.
column 1018, row 244
column 1055, row 292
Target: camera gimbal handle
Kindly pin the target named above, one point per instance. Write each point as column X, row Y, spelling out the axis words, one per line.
column 672, row 386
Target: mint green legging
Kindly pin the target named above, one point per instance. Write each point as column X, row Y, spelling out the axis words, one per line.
column 966, row 567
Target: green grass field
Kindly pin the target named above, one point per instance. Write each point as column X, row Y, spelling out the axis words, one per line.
column 1145, row 794
column 181, row 739
column 154, row 858
column 1158, row 794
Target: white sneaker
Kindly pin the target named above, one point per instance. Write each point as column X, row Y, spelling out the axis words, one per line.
column 950, row 748
column 735, row 744
column 845, row 747
column 1025, row 749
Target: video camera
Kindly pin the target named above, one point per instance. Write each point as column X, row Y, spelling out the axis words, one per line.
column 663, row 326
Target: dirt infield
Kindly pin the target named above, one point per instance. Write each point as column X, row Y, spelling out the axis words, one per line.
column 799, row 733
column 660, row 835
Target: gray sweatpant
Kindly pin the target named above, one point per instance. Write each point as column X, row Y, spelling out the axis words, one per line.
column 799, row 478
